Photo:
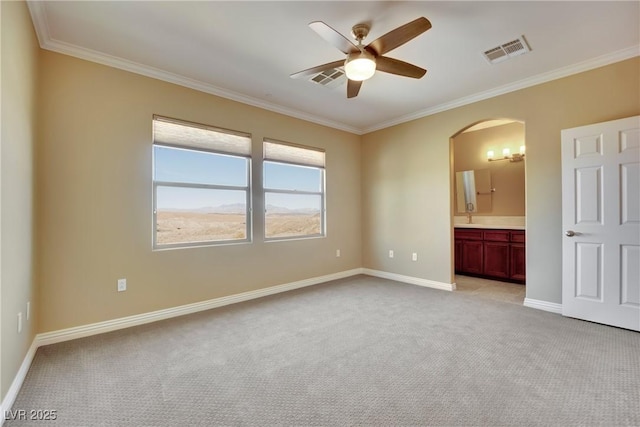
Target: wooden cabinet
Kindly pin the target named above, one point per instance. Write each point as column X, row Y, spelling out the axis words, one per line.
column 496, row 259
column 472, row 256
column 517, row 261
column 494, row 254
column 469, row 251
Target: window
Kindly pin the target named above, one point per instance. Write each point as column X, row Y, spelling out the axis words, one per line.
column 294, row 196
column 201, row 185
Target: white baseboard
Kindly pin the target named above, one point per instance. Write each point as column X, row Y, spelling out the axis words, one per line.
column 412, row 280
column 16, row 385
column 140, row 319
column 543, row 305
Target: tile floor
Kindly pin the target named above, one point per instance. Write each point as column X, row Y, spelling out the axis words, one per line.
column 492, row 289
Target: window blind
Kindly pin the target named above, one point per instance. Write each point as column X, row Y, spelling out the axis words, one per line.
column 283, row 152
column 192, row 135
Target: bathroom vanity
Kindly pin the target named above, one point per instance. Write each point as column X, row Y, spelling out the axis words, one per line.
column 491, row 253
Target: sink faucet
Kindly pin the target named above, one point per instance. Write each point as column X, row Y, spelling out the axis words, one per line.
column 468, row 217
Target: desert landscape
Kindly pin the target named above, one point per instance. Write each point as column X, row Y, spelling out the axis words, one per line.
column 190, row 227
column 287, row 225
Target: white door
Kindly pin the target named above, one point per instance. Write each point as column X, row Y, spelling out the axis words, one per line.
column 601, row 223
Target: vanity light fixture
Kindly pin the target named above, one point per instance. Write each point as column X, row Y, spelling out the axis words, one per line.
column 506, row 155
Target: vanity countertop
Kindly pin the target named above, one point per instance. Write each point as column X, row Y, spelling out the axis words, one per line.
column 491, row 226
column 491, row 222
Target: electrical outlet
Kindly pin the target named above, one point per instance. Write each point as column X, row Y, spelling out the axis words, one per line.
column 122, row 285
column 391, row 253
column 28, row 309
column 337, row 253
column 19, row 322
column 414, row 257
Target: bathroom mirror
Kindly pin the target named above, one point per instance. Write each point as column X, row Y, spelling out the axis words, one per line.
column 473, row 191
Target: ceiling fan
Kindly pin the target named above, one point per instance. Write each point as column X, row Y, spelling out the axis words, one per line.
column 363, row 61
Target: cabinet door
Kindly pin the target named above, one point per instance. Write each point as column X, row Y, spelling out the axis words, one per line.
column 496, row 259
column 472, row 256
column 517, row 260
column 458, row 256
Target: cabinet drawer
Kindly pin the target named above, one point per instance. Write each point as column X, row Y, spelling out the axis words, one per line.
column 497, row 235
column 517, row 236
column 468, row 234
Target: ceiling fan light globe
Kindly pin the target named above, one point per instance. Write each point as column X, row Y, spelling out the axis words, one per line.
column 360, row 66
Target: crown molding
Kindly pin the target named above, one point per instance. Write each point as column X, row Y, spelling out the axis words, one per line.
column 580, row 67
column 39, row 19
column 38, row 16
column 155, row 73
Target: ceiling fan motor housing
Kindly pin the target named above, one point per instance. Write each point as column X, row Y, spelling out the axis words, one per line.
column 360, row 32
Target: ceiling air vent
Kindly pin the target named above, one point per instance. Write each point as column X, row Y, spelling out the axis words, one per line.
column 329, row 78
column 507, row 50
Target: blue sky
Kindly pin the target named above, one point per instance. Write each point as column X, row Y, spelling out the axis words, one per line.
column 188, row 166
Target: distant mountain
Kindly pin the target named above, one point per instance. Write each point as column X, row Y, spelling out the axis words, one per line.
column 233, row 208
column 280, row 210
column 239, row 208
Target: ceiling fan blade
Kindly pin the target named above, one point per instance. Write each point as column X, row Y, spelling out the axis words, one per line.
column 333, row 37
column 401, row 68
column 315, row 70
column 353, row 87
column 399, row 36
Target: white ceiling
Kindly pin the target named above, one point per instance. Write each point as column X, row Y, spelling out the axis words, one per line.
column 246, row 50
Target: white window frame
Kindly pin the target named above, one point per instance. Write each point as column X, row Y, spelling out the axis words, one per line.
column 293, row 161
column 183, row 144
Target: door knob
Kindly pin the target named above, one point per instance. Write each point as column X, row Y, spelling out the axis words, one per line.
column 570, row 233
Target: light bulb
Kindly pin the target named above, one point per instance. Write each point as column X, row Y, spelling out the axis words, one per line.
column 360, row 66
column 490, row 154
column 522, row 148
column 506, row 152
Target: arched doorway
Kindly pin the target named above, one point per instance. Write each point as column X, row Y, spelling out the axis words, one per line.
column 489, row 219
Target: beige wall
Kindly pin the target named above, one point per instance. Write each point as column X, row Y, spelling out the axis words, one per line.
column 408, row 179
column 18, row 123
column 95, row 218
column 390, row 189
column 470, row 153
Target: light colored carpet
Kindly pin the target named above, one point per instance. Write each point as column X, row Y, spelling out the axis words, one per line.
column 359, row 351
